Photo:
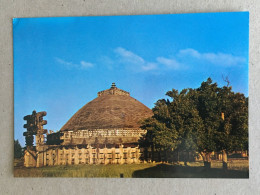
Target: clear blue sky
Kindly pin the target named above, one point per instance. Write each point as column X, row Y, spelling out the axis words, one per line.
column 61, row 63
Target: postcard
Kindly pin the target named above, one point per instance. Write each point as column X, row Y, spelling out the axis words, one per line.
column 145, row 96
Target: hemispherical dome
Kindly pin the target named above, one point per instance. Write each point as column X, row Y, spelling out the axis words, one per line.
column 113, row 108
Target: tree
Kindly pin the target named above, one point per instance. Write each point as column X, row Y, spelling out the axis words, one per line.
column 233, row 130
column 161, row 135
column 160, row 131
column 175, row 124
column 185, row 118
column 239, row 123
column 206, row 119
column 207, row 104
column 18, row 151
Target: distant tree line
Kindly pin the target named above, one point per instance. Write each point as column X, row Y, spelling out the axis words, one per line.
column 202, row 120
column 18, row 150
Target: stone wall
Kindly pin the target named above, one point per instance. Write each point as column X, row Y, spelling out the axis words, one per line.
column 102, row 136
column 98, row 146
column 89, row 155
column 128, row 132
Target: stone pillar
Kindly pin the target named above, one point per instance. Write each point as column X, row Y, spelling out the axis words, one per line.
column 121, row 154
column 64, row 156
column 76, row 156
column 50, row 157
column 128, row 155
column 53, row 156
column 69, row 156
column 45, row 158
column 117, row 152
column 137, row 155
column 39, row 161
column 83, row 159
column 60, row 155
column 97, row 156
column 39, row 149
column 90, row 155
column 29, row 158
column 113, row 155
column 56, row 156
column 106, row 160
column 133, row 154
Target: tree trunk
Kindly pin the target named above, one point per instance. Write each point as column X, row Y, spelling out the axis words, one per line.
column 224, row 159
column 206, row 159
column 159, row 156
column 186, row 158
column 152, row 153
column 145, row 154
column 165, row 156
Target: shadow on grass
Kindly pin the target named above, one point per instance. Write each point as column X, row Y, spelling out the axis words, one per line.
column 178, row 171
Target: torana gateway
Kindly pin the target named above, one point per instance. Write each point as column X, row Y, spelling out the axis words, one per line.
column 105, row 130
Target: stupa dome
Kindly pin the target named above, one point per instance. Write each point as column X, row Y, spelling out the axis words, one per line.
column 113, row 108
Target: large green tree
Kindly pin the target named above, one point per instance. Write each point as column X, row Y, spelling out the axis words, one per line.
column 185, row 118
column 232, row 134
column 161, row 133
column 207, row 104
column 175, row 124
column 206, row 119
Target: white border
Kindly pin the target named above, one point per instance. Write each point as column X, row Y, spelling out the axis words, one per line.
column 49, row 8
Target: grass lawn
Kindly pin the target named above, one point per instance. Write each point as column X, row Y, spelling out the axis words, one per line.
column 236, row 169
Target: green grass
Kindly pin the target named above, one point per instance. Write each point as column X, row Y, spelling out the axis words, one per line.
column 236, row 169
column 110, row 170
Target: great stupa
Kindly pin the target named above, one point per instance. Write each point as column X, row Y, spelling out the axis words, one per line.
column 105, row 130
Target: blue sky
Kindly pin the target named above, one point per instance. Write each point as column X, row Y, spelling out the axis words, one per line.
column 61, row 63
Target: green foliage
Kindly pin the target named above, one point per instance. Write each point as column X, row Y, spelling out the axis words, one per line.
column 185, row 119
column 192, row 120
column 207, row 106
column 18, row 151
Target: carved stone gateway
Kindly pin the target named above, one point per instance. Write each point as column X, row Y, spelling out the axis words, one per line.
column 34, row 156
column 105, row 130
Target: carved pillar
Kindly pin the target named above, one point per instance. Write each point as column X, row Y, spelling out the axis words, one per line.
column 121, row 154
column 69, row 156
column 76, row 156
column 113, row 155
column 137, row 155
column 90, row 155
column 83, row 159
column 106, row 161
column 98, row 156
column 29, row 158
column 128, row 155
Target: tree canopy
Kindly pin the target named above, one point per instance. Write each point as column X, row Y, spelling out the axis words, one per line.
column 209, row 118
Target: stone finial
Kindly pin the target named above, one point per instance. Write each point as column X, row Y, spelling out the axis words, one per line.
column 113, row 85
column 113, row 91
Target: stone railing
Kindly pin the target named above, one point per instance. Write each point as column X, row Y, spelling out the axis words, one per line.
column 89, row 155
column 126, row 132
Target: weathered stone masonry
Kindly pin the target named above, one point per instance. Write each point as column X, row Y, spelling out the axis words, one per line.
column 104, row 131
column 75, row 155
